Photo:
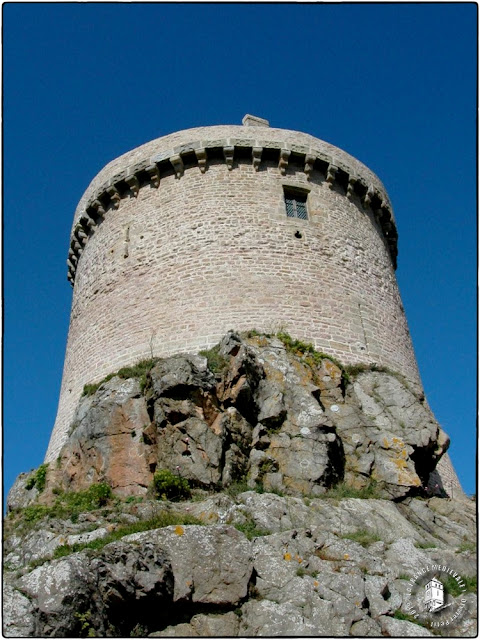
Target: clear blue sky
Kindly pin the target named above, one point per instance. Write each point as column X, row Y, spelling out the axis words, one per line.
column 392, row 84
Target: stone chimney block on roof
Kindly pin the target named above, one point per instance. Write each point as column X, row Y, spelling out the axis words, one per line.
column 254, row 121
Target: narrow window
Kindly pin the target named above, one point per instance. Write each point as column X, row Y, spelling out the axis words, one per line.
column 296, row 204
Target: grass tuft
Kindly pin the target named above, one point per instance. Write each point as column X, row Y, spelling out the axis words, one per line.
column 455, row 589
column 363, row 537
column 216, row 362
column 343, row 490
column 68, row 504
column 165, row 519
column 139, row 370
column 399, row 615
column 250, row 530
column 169, row 486
column 38, row 479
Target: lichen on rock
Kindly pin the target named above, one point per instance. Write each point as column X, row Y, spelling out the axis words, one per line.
column 272, row 416
column 307, row 503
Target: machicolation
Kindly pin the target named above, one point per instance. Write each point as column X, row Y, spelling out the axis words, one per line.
column 231, row 227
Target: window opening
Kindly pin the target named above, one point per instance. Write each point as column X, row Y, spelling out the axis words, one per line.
column 296, row 204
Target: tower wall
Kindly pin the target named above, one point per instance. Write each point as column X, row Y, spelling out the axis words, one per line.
column 180, row 240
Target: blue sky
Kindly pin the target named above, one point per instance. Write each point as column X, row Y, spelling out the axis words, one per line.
column 392, row 84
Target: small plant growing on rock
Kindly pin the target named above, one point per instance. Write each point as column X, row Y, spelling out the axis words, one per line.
column 234, row 489
column 454, row 588
column 215, row 361
column 38, row 479
column 168, row 486
column 68, row 504
column 363, row 537
column 139, row 370
column 250, row 529
column 425, row 545
column 164, row 519
column 86, row 629
column 267, row 465
column 399, row 615
column 344, row 490
column 139, row 631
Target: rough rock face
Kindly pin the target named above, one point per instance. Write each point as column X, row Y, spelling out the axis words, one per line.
column 307, row 568
column 337, row 520
column 270, row 414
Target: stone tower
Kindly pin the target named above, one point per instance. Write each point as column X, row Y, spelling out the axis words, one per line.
column 230, row 227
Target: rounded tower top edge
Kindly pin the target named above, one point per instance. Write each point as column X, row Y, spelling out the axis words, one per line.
column 197, row 138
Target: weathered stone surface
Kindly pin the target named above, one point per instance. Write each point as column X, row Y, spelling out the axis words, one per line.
column 269, row 415
column 305, row 578
column 19, row 496
column 180, row 374
column 18, row 620
column 302, row 562
column 402, row 628
column 399, row 441
column 210, row 565
column 206, row 626
column 58, row 591
column 365, row 627
column 378, row 517
column 106, row 441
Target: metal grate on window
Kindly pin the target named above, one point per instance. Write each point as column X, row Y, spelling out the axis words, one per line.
column 291, row 209
column 301, row 209
column 296, row 206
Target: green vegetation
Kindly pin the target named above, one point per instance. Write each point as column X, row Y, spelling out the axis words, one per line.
column 250, row 529
column 38, row 479
column 362, row 536
column 425, row 545
column 139, row 370
column 352, row 370
column 399, row 615
column 236, row 488
column 168, row 486
column 68, row 504
column 34, row 512
column 89, row 389
column 308, row 351
column 253, row 333
column 343, row 490
column 467, row 546
column 454, row 589
column 86, row 629
column 139, row 631
column 267, row 465
column 216, row 362
column 274, row 490
column 302, row 572
column 165, row 519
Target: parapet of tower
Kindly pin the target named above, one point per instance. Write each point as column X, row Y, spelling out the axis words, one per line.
column 231, row 227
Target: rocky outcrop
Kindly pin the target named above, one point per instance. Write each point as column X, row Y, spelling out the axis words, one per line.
column 265, row 410
column 309, row 505
column 257, row 564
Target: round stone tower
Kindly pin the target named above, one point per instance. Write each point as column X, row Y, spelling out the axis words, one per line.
column 231, row 227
